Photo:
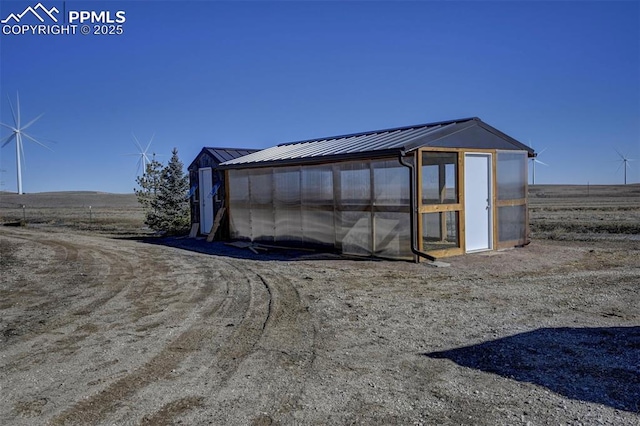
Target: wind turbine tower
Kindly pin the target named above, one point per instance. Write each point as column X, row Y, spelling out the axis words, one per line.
column 535, row 160
column 624, row 162
column 18, row 133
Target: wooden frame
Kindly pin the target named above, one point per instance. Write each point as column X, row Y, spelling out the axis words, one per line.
column 441, row 208
column 421, row 208
column 511, row 203
column 459, row 206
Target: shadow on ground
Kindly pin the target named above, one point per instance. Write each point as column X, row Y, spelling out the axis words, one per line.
column 218, row 248
column 600, row 365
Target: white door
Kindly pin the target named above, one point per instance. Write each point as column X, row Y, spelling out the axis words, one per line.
column 477, row 202
column 206, row 200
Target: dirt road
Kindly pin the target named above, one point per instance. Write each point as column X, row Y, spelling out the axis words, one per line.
column 104, row 331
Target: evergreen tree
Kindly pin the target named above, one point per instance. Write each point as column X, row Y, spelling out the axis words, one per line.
column 149, row 184
column 169, row 209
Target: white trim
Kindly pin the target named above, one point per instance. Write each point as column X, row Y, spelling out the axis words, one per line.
column 471, row 221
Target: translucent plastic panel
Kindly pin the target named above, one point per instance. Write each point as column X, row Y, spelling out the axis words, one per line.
column 239, row 185
column 262, row 223
column 240, row 224
column 512, row 223
column 318, row 227
column 317, row 185
column 355, row 233
column 239, row 213
column 261, row 186
column 512, row 175
column 286, row 185
column 355, row 183
column 439, row 177
column 440, row 231
column 288, row 224
column 390, row 183
column 392, row 235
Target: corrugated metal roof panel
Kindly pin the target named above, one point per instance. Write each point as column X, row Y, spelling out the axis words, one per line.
column 440, row 134
column 222, row 154
column 226, row 154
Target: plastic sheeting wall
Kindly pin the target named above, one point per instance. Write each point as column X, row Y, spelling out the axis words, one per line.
column 512, row 175
column 358, row 207
column 511, row 223
column 512, row 191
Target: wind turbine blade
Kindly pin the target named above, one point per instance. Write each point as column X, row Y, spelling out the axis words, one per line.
column 138, row 168
column 137, row 143
column 143, row 154
column 18, row 107
column 36, row 141
column 8, row 139
column 13, row 113
column 542, row 151
column 149, row 144
column 618, row 169
column 31, row 122
column 8, row 127
column 41, row 139
column 540, row 162
column 621, row 156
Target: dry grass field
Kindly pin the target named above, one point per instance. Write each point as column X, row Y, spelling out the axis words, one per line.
column 100, row 323
column 82, row 210
column 580, row 212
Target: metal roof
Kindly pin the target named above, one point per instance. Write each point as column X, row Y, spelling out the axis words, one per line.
column 223, row 154
column 463, row 133
column 226, row 154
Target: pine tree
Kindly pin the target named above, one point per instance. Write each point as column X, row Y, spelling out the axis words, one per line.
column 169, row 209
column 149, row 184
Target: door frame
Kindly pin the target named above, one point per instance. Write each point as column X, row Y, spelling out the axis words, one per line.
column 489, row 156
column 205, row 196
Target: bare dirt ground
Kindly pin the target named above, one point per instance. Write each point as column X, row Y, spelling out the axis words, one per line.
column 99, row 329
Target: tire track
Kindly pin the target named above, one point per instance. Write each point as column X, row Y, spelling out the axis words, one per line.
column 236, row 301
column 96, row 407
column 281, row 354
column 251, row 315
column 118, row 274
column 247, row 334
column 289, row 328
column 235, row 348
column 75, row 272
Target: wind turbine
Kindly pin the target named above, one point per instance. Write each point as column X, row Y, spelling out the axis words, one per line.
column 624, row 162
column 535, row 160
column 17, row 133
column 142, row 153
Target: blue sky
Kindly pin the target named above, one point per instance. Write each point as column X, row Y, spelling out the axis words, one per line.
column 561, row 76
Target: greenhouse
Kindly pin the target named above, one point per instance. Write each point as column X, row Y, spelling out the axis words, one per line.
column 424, row 191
